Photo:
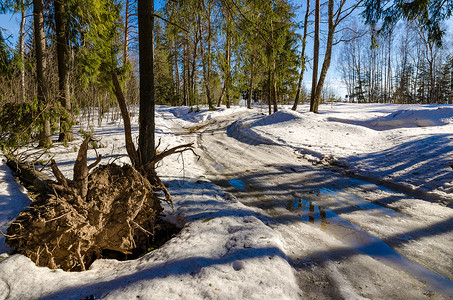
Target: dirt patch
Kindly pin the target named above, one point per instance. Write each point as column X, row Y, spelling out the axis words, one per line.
column 118, row 217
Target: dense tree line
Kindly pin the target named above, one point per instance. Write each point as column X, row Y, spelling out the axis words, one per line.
column 405, row 66
column 211, row 52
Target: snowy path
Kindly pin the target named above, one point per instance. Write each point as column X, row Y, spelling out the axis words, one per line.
column 267, row 212
column 333, row 225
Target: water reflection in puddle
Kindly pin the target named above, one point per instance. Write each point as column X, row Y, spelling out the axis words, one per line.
column 357, row 203
column 219, row 167
column 237, row 183
column 308, row 212
column 360, row 239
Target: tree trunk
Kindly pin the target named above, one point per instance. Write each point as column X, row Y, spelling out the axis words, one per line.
column 269, row 98
column 327, row 59
column 274, row 86
column 208, row 79
column 302, row 56
column 314, row 82
column 126, row 32
column 45, row 140
column 63, row 74
column 192, row 89
column 252, row 73
column 206, row 76
column 219, row 102
column 22, row 49
column 177, row 77
column 185, row 72
column 228, row 60
column 30, row 175
column 146, row 49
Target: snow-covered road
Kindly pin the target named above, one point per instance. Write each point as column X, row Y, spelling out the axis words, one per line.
column 332, row 224
column 352, row 203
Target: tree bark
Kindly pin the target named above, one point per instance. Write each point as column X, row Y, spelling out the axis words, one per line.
column 302, row 56
column 45, row 140
column 63, row 74
column 126, row 32
column 29, row 174
column 22, row 49
column 130, row 148
column 228, row 60
column 146, row 49
column 176, row 66
column 314, row 82
column 327, row 58
column 252, row 73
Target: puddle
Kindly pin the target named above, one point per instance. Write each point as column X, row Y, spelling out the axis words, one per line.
column 219, row 167
column 308, row 212
column 361, row 240
column 238, row 184
column 358, row 203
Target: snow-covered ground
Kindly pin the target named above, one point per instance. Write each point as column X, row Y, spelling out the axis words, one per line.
column 352, row 203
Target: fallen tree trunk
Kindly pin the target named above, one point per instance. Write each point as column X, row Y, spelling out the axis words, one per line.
column 73, row 222
column 27, row 172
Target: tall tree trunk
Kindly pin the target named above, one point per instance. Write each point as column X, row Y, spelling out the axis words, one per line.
column 45, row 140
column 185, row 72
column 228, row 60
column 274, row 85
column 206, row 76
column 177, row 77
column 315, row 56
column 327, row 58
column 146, row 60
column 302, row 57
column 126, row 32
column 192, row 89
column 252, row 75
column 63, row 74
column 209, row 58
column 219, row 102
column 22, row 49
column 269, row 99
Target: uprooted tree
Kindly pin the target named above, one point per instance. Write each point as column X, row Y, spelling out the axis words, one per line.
column 113, row 208
column 73, row 222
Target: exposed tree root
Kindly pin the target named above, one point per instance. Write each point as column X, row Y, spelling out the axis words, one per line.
column 73, row 221
column 67, row 231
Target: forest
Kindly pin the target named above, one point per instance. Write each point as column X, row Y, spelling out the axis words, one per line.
column 217, row 52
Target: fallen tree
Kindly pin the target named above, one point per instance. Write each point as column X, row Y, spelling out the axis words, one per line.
column 110, row 209
column 72, row 222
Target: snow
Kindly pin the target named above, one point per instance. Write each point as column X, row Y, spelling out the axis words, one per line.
column 286, row 206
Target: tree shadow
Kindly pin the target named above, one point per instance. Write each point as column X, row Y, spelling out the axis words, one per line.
column 12, row 202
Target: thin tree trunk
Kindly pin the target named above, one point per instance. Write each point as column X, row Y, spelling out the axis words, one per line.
column 269, row 100
column 22, row 49
column 274, row 86
column 302, row 56
column 315, row 57
column 219, row 102
column 192, row 97
column 206, row 77
column 209, row 73
column 228, row 61
column 252, row 74
column 185, row 72
column 177, row 77
column 126, row 32
column 327, row 59
column 45, row 140
column 63, row 74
